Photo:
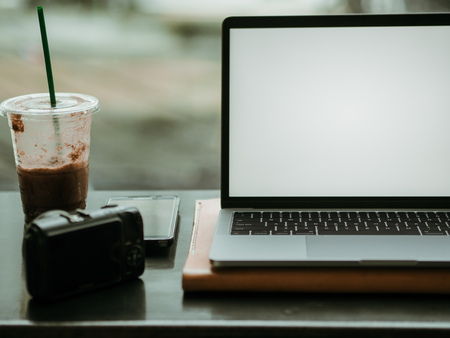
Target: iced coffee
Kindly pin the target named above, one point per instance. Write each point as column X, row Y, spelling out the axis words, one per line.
column 51, row 149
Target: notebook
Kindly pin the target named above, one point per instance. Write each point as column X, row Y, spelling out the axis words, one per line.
column 335, row 141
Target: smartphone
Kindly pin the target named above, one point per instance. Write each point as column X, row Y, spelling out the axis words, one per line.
column 159, row 215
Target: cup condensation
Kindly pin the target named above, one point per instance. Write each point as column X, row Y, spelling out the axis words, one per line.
column 51, row 149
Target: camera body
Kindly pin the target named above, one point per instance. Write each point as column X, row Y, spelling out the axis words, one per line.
column 67, row 253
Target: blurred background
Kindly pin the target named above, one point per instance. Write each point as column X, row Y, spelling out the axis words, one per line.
column 154, row 65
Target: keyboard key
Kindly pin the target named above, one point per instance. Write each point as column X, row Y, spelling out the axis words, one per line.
column 314, row 215
column 348, row 233
column 335, row 224
column 305, row 228
column 284, row 215
column 388, row 231
column 269, row 216
column 332, row 220
column 260, row 232
column 315, row 224
column 396, row 224
column 421, row 215
column 239, row 215
column 382, row 214
column 281, row 232
column 409, row 231
column 375, row 224
column 236, row 232
column 426, row 228
column 287, row 227
column 325, row 230
column 355, row 224
column 275, row 224
column 367, row 231
column 304, row 214
column 303, row 232
column 247, row 225
column 289, row 224
column 364, row 216
column 241, row 229
column 433, row 233
column 433, row 223
column 346, row 226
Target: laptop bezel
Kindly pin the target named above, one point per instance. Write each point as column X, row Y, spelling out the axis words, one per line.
column 353, row 20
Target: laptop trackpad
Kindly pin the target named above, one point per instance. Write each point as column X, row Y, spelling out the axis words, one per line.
column 378, row 248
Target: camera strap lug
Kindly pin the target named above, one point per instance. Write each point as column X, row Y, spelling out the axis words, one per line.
column 73, row 218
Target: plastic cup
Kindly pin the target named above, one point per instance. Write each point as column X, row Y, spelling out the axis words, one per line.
column 51, row 149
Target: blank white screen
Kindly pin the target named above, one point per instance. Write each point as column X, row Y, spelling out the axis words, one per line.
column 357, row 111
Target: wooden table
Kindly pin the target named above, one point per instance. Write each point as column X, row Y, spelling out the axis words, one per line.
column 155, row 305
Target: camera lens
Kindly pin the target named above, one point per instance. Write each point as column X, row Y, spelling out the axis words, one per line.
column 134, row 256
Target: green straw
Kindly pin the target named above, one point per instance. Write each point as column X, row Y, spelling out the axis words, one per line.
column 48, row 65
column 48, row 68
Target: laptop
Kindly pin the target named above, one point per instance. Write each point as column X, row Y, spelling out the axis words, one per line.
column 335, row 141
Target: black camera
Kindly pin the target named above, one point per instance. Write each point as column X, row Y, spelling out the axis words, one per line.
column 70, row 253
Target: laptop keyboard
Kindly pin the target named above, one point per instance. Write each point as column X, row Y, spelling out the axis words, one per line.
column 340, row 223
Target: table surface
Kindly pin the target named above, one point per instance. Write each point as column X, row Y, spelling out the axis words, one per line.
column 155, row 303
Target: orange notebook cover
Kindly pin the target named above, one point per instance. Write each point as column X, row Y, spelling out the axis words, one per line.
column 199, row 275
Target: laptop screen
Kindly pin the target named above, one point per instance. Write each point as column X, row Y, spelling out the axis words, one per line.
column 357, row 111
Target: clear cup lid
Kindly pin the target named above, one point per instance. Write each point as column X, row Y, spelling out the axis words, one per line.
column 38, row 105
